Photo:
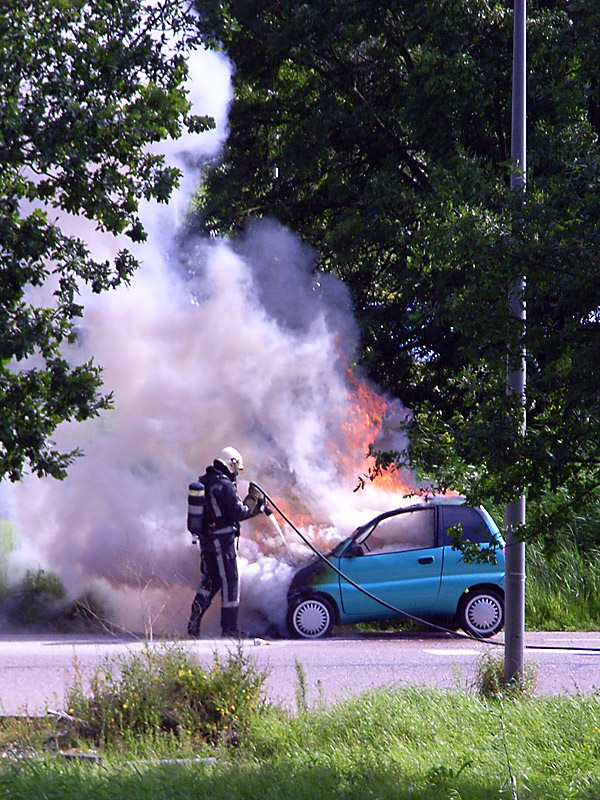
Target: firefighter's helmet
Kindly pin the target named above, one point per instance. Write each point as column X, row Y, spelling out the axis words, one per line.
column 232, row 459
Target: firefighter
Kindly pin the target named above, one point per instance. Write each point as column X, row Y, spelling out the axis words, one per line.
column 221, row 527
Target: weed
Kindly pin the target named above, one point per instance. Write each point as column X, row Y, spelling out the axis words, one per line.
column 301, row 688
column 163, row 691
column 20, row 737
column 490, row 681
column 442, row 776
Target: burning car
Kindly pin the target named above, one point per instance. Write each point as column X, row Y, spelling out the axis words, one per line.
column 406, row 558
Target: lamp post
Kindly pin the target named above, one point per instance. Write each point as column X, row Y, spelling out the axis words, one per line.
column 514, row 514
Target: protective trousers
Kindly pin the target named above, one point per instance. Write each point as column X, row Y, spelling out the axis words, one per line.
column 218, row 564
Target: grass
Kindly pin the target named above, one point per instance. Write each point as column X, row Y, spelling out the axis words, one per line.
column 417, row 743
column 159, row 724
column 563, row 588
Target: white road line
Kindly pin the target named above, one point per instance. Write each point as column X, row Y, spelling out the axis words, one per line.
column 573, row 639
column 452, row 652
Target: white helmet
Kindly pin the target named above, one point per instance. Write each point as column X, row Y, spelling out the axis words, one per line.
column 232, row 459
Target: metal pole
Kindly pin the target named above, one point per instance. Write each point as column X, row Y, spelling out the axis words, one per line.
column 514, row 514
column 519, row 99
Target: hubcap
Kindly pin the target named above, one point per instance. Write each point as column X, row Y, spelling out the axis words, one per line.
column 483, row 613
column 311, row 618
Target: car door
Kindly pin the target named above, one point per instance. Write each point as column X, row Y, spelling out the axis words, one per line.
column 459, row 575
column 400, row 565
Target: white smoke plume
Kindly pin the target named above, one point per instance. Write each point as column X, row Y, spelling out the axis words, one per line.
column 213, row 343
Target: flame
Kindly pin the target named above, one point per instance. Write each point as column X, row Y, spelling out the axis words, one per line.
column 368, row 410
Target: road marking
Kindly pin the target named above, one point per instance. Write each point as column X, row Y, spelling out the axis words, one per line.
column 573, row 639
column 452, row 652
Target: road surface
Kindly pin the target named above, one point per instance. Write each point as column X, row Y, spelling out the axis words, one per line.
column 35, row 671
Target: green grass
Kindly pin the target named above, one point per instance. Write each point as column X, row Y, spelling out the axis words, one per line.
column 417, row 743
column 165, row 727
column 563, row 589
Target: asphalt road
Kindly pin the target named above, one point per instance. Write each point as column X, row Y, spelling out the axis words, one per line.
column 36, row 670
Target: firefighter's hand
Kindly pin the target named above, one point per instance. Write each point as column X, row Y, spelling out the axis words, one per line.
column 253, row 504
column 254, row 500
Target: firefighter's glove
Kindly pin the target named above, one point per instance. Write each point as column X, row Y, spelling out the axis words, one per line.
column 253, row 504
column 254, row 499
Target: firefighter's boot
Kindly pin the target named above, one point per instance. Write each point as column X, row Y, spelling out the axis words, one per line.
column 193, row 627
column 229, row 617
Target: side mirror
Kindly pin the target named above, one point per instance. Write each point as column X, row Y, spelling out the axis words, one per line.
column 353, row 551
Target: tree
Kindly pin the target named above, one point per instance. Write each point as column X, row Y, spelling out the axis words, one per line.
column 85, row 85
column 381, row 134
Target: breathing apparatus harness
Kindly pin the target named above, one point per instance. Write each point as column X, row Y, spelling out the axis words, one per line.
column 405, row 614
column 204, row 514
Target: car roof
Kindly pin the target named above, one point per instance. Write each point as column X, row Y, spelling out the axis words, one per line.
column 445, row 499
column 429, row 501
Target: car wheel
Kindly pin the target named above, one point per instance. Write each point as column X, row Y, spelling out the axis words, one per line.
column 481, row 613
column 310, row 617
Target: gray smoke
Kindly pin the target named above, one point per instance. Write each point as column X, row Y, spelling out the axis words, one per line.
column 213, row 343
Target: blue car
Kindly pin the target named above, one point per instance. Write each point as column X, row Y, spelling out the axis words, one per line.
column 405, row 557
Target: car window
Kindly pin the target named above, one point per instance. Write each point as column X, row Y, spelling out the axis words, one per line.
column 474, row 527
column 409, row 530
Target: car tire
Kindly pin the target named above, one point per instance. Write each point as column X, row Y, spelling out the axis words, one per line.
column 481, row 613
column 310, row 617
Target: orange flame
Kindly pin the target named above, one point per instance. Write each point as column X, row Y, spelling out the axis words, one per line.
column 366, row 418
column 368, row 409
column 367, row 412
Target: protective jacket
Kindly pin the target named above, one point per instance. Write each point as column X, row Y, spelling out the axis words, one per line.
column 225, row 508
column 218, row 563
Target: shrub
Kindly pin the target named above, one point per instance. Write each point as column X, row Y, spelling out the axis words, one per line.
column 39, row 600
column 158, row 692
column 38, row 597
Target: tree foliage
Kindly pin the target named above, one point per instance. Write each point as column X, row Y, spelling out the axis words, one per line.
column 85, row 85
column 380, row 132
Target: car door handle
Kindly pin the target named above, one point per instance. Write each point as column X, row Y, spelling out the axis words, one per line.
column 426, row 560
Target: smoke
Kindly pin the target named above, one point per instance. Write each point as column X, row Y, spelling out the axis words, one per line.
column 213, row 343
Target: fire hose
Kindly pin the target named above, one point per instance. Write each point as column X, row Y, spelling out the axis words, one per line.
column 272, row 505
